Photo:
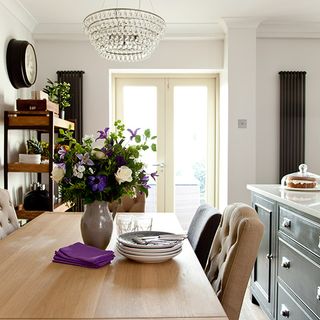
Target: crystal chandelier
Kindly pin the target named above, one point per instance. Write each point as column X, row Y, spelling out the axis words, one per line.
column 124, row 34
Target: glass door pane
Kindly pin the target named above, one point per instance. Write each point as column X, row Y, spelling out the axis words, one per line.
column 140, row 104
column 190, row 150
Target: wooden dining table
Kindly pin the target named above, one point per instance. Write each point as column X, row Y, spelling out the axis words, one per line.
column 33, row 287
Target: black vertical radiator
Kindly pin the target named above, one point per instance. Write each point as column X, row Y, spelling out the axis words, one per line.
column 292, row 120
column 74, row 113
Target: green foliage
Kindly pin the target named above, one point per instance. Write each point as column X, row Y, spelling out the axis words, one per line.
column 154, row 147
column 103, row 168
column 38, row 147
column 58, row 92
column 34, row 147
column 45, row 150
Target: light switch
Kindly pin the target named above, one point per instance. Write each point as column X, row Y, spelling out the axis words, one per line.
column 242, row 123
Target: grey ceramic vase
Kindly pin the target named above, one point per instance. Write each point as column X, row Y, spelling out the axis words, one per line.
column 97, row 224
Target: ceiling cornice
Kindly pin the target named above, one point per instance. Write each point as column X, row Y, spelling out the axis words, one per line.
column 228, row 23
column 21, row 13
column 276, row 29
column 174, row 31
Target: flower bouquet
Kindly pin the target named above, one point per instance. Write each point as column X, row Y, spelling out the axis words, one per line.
column 103, row 169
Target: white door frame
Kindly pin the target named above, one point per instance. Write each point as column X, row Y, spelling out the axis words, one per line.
column 165, row 121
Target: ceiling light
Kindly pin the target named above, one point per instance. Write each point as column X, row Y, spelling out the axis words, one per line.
column 123, row 34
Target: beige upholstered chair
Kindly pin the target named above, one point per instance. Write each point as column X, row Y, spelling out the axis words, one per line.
column 232, row 255
column 8, row 217
column 128, row 204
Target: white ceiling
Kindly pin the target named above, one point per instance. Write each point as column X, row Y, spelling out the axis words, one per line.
column 183, row 17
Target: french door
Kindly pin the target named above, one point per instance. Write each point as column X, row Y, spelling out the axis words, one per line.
column 182, row 112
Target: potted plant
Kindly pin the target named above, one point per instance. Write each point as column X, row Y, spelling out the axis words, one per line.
column 34, row 151
column 37, row 151
column 58, row 92
column 45, row 154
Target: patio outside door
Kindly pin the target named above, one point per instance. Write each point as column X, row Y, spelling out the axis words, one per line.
column 182, row 113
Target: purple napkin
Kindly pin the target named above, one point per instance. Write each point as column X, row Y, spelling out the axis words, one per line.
column 82, row 255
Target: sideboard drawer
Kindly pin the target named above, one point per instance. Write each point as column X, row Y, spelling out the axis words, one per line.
column 300, row 274
column 303, row 230
column 288, row 308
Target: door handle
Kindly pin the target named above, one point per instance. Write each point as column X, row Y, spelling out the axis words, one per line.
column 285, row 311
column 269, row 256
column 286, row 223
column 160, row 165
column 285, row 263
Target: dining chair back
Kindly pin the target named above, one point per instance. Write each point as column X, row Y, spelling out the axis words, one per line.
column 8, row 217
column 128, row 204
column 201, row 231
column 232, row 256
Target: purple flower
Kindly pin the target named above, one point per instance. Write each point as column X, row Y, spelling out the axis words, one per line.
column 62, row 152
column 153, row 175
column 61, row 165
column 109, row 153
column 103, row 133
column 133, row 133
column 67, row 180
column 85, row 159
column 120, row 161
column 144, row 181
column 97, row 183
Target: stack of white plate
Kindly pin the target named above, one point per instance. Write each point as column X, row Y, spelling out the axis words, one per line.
column 152, row 252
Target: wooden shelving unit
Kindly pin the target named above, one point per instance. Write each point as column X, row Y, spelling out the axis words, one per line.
column 26, row 167
column 42, row 122
column 29, row 215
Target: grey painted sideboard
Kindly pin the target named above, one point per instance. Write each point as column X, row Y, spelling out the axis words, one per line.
column 285, row 281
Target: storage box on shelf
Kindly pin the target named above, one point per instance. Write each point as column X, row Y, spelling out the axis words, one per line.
column 42, row 122
column 37, row 105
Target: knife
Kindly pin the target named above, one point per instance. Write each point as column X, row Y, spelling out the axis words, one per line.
column 165, row 237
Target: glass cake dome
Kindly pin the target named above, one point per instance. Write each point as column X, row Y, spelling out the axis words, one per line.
column 301, row 180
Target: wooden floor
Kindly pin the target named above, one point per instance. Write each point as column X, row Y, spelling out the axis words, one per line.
column 250, row 311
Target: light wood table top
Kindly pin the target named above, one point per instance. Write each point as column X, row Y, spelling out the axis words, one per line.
column 32, row 287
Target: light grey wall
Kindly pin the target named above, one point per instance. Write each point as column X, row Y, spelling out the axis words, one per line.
column 11, row 27
column 80, row 55
column 274, row 55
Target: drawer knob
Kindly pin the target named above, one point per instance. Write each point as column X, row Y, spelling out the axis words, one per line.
column 318, row 293
column 286, row 223
column 269, row 256
column 284, row 311
column 285, row 263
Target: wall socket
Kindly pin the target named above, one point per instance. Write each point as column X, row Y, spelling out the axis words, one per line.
column 242, row 123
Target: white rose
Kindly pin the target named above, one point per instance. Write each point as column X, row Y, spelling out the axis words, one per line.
column 124, row 174
column 99, row 154
column 57, row 174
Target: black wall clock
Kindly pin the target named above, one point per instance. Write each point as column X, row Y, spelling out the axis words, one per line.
column 21, row 63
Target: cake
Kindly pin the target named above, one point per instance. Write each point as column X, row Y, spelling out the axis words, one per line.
column 301, row 182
